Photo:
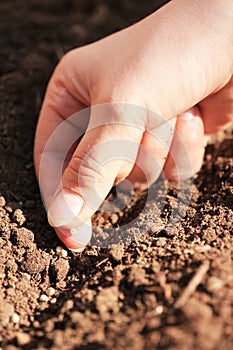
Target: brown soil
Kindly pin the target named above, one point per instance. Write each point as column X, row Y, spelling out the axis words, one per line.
column 133, row 296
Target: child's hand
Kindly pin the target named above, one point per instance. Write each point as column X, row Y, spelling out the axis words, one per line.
column 178, row 57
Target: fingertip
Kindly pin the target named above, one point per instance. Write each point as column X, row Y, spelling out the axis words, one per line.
column 64, row 208
column 69, row 243
column 75, row 239
column 77, row 250
column 192, row 115
column 187, row 149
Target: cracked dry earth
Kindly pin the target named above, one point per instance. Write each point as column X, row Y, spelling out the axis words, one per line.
column 159, row 288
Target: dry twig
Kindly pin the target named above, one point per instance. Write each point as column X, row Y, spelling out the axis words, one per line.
column 102, row 262
column 193, row 284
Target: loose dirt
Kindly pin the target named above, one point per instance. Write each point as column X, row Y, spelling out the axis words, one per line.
column 167, row 289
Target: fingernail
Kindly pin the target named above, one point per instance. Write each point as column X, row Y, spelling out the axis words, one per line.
column 189, row 114
column 64, row 208
column 78, row 250
column 66, row 237
column 81, row 235
column 76, row 239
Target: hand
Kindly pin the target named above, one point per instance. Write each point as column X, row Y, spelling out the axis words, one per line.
column 167, row 63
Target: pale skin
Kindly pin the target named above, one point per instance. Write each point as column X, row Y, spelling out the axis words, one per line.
column 177, row 62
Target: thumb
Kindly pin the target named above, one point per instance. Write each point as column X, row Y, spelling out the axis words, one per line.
column 105, row 156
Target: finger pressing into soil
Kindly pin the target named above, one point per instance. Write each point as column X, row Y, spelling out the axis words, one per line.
column 217, row 109
column 153, row 151
column 77, row 238
column 187, row 149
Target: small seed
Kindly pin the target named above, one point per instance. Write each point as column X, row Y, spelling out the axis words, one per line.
column 50, row 291
column 159, row 309
column 15, row 318
column 44, row 298
column 53, row 301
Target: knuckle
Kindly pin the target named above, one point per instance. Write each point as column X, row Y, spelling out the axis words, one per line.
column 87, row 170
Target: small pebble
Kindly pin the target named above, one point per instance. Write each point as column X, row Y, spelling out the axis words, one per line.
column 53, row 301
column 214, row 284
column 6, row 312
column 36, row 324
column 50, row 291
column 2, row 201
column 44, row 298
column 61, row 252
column 23, row 338
column 114, row 218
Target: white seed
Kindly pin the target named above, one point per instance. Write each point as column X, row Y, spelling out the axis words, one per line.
column 53, row 301
column 44, row 298
column 159, row 309
column 61, row 252
column 64, row 253
column 50, row 291
column 15, row 318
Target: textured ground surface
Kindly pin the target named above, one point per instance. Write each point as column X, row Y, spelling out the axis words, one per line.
column 136, row 296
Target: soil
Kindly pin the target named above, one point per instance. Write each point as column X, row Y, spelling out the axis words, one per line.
column 167, row 289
